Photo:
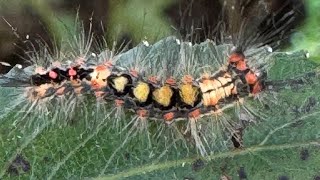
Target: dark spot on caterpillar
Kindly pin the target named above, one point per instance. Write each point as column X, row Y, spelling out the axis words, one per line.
column 198, row 165
column 304, row 154
column 242, row 174
column 283, row 178
column 317, row 178
column 237, row 138
column 19, row 165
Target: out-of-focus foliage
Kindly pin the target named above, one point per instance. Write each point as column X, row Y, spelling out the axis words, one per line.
column 124, row 21
column 308, row 35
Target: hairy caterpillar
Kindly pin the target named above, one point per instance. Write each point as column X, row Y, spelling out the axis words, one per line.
column 179, row 93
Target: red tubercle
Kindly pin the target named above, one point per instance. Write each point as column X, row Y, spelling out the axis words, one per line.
column 143, row 113
column 236, row 57
column 171, row 81
column 134, row 73
column 53, row 75
column 194, row 114
column 168, row 116
column 153, row 79
column 187, row 79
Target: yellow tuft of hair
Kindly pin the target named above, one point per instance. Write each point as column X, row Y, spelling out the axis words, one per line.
column 188, row 94
column 163, row 95
column 141, row 91
column 119, row 83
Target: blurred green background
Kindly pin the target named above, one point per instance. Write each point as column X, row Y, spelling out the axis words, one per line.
column 135, row 20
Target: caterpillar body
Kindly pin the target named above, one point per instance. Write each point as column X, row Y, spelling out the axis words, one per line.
column 168, row 100
column 160, row 92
